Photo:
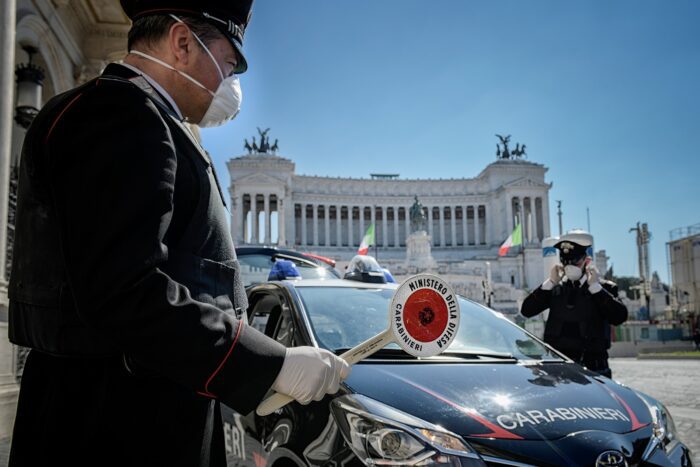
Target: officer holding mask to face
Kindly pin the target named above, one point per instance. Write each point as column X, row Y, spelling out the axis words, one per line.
column 125, row 283
column 581, row 305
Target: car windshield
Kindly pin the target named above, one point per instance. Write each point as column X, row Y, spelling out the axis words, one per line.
column 255, row 269
column 342, row 317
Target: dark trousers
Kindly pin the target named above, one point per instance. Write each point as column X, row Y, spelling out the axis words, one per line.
column 82, row 412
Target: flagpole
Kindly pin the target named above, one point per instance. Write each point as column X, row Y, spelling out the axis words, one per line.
column 513, row 240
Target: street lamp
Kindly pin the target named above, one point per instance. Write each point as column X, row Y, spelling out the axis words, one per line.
column 30, row 81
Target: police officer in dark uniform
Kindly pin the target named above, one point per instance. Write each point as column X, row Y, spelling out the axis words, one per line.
column 125, row 282
column 581, row 306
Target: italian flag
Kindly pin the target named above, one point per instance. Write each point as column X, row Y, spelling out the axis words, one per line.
column 514, row 239
column 367, row 241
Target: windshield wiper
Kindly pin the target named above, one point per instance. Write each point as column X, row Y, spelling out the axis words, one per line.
column 400, row 353
column 385, row 352
column 472, row 355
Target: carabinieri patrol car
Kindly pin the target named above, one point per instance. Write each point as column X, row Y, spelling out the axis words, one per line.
column 497, row 397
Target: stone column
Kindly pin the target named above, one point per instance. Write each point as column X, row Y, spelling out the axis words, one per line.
column 396, row 226
column 523, row 219
column 244, row 225
column 407, row 221
column 538, row 227
column 545, row 216
column 237, row 220
column 487, row 237
column 303, row 224
column 351, row 236
column 465, row 230
column 8, row 12
column 254, row 231
column 8, row 354
column 525, row 222
column 281, row 222
column 290, row 213
column 315, row 223
column 477, row 226
column 339, row 225
column 442, row 226
column 484, row 226
column 268, row 218
column 233, row 224
column 327, row 225
column 530, row 216
column 385, row 228
column 430, row 222
column 541, row 227
column 475, row 223
column 373, row 218
column 453, row 225
column 362, row 222
column 521, row 214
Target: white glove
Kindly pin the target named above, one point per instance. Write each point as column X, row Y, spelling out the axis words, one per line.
column 593, row 279
column 555, row 275
column 308, row 374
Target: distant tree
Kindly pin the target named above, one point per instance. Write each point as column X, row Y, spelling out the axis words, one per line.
column 626, row 283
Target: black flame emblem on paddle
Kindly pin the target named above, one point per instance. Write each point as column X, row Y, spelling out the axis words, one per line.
column 426, row 316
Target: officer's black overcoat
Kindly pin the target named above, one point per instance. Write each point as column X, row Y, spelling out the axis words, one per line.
column 123, row 259
column 579, row 321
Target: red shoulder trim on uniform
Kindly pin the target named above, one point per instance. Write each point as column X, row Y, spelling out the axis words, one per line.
column 221, row 365
column 48, row 134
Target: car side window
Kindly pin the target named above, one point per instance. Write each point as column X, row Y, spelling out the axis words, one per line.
column 285, row 328
column 271, row 316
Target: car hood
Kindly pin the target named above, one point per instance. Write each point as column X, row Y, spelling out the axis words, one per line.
column 503, row 400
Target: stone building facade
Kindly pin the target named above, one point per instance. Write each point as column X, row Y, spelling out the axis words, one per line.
column 684, row 254
column 468, row 219
column 332, row 213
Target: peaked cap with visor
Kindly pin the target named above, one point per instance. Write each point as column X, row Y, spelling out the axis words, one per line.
column 574, row 245
column 229, row 16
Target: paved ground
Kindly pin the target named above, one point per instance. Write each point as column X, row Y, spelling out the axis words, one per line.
column 676, row 383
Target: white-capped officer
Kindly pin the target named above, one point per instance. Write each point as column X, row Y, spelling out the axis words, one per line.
column 581, row 305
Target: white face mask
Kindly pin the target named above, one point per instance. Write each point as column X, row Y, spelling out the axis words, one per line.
column 574, row 273
column 226, row 101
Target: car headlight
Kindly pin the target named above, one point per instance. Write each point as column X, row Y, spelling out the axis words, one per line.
column 381, row 435
column 663, row 428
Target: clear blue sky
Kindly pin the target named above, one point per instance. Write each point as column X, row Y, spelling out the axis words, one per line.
column 604, row 93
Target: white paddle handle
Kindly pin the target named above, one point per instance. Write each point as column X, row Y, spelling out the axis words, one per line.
column 352, row 356
column 272, row 403
column 368, row 347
